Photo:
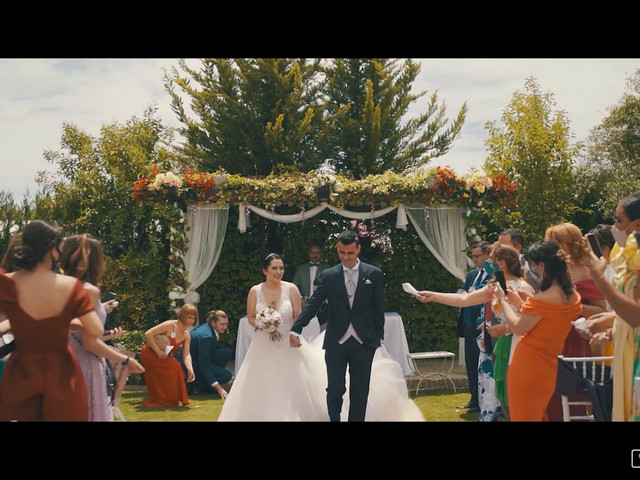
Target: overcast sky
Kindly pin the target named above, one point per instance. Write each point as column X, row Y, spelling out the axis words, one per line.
column 38, row 95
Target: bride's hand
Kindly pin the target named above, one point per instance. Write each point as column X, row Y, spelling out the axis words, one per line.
column 294, row 340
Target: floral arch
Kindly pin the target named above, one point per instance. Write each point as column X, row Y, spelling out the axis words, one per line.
column 440, row 206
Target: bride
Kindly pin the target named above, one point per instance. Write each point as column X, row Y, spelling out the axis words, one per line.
column 281, row 383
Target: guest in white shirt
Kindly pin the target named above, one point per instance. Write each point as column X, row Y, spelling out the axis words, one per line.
column 306, row 277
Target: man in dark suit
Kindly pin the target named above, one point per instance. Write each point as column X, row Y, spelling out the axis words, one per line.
column 467, row 316
column 209, row 359
column 355, row 326
column 306, row 277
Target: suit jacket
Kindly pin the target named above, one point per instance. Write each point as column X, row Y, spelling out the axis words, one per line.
column 204, row 345
column 301, row 277
column 467, row 316
column 366, row 315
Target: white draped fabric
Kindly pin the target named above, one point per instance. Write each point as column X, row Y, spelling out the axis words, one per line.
column 441, row 229
column 207, row 228
column 401, row 221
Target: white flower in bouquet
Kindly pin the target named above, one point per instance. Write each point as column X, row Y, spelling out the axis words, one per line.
column 269, row 320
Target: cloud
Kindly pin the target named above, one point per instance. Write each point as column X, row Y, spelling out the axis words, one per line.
column 38, row 96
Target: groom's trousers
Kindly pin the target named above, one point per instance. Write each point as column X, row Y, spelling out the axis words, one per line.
column 359, row 358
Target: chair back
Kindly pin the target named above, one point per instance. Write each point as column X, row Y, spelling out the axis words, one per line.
column 586, row 388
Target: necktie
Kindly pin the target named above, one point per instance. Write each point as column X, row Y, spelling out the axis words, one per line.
column 351, row 285
column 314, row 264
column 479, row 278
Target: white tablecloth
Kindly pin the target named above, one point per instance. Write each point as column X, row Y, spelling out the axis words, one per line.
column 395, row 339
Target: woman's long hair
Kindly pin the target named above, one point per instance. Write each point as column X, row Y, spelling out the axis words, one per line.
column 7, row 263
column 511, row 257
column 571, row 236
column 556, row 267
column 82, row 257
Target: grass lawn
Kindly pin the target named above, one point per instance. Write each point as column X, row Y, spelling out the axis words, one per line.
column 435, row 405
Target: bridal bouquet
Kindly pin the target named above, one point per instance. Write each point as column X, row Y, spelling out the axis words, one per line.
column 269, row 320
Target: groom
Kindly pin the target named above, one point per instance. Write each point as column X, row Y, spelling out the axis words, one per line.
column 355, row 326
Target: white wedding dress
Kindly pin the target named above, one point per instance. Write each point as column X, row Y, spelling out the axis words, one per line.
column 280, row 383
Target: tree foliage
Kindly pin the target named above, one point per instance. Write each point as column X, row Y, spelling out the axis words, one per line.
column 613, row 152
column 251, row 116
column 90, row 192
column 370, row 99
column 532, row 146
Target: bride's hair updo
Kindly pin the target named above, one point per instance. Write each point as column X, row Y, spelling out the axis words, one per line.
column 38, row 237
column 269, row 258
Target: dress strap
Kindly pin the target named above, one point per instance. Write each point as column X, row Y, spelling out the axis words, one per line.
column 260, row 299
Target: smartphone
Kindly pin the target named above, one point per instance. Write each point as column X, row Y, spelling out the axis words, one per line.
column 109, row 296
column 499, row 276
column 595, row 244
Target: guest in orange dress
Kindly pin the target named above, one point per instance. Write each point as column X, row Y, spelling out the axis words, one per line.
column 163, row 374
column 42, row 380
column 573, row 243
column 544, row 323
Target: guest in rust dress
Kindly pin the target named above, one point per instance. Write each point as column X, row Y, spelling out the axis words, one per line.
column 163, row 374
column 42, row 380
column 544, row 323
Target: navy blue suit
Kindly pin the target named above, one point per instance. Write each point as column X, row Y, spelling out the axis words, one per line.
column 467, row 328
column 208, row 358
column 367, row 317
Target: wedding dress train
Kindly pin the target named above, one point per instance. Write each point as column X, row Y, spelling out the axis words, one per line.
column 277, row 382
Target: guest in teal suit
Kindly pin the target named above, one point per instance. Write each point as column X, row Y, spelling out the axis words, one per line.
column 209, row 359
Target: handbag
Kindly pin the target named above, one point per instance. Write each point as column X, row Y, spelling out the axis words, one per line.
column 162, row 341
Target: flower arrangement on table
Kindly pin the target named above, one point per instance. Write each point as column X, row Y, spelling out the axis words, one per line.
column 269, row 320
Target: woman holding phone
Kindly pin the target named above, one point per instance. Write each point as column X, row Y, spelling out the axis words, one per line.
column 506, row 259
column 544, row 322
column 598, row 326
column 573, row 243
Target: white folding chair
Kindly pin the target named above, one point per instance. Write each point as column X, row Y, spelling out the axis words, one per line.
column 582, row 376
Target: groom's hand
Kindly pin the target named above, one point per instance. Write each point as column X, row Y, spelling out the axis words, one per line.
column 294, row 340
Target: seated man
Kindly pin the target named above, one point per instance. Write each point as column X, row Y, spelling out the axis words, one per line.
column 209, row 359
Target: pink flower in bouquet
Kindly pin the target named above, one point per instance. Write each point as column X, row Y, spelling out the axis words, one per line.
column 269, row 320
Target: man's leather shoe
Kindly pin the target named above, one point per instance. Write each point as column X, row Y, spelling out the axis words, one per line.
column 469, row 406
